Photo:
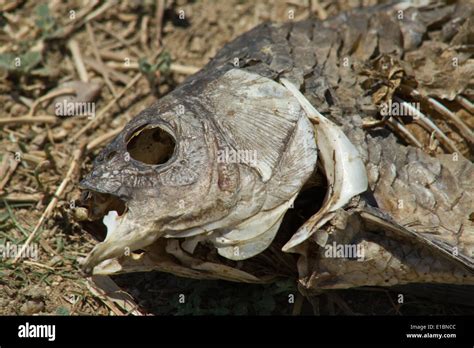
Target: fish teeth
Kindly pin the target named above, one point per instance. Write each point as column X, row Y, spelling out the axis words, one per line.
column 111, row 221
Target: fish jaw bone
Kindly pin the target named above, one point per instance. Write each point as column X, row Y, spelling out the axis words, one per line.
column 343, row 166
column 124, row 235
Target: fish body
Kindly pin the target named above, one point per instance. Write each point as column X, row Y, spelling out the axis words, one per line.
column 210, row 171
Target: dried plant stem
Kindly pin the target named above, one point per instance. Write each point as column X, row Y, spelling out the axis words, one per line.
column 28, row 119
column 103, row 72
column 102, row 112
column 75, row 164
column 178, row 68
column 118, row 301
column 103, row 138
column 465, row 103
column 49, row 96
column 78, row 62
column 160, row 9
column 9, row 166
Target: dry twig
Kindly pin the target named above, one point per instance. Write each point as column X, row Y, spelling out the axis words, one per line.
column 28, row 119
column 160, row 9
column 103, row 138
column 78, row 62
column 49, row 96
column 75, row 164
column 113, row 297
column 103, row 72
column 93, row 122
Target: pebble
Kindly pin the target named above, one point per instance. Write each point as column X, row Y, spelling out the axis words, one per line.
column 55, row 260
column 197, row 44
column 35, row 293
column 81, row 214
column 32, row 307
column 9, row 291
column 18, row 110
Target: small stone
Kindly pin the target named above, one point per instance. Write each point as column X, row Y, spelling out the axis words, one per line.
column 9, row 291
column 80, row 214
column 35, row 293
column 55, row 260
column 196, row 45
column 32, row 307
column 18, row 110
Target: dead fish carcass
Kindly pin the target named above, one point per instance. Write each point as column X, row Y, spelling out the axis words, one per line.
column 282, row 166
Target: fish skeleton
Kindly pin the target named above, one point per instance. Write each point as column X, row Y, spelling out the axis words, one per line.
column 204, row 183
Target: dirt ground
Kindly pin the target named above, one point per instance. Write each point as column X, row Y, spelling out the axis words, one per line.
column 115, row 50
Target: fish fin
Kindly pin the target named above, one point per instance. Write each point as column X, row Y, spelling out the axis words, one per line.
column 375, row 219
column 295, row 167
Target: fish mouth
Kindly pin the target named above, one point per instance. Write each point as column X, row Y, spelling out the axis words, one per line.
column 172, row 255
column 98, row 205
column 106, row 216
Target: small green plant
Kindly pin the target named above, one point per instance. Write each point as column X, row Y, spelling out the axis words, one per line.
column 45, row 21
column 27, row 58
column 22, row 63
column 162, row 64
column 62, row 311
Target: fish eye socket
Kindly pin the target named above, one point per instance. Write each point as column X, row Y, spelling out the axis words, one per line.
column 151, row 145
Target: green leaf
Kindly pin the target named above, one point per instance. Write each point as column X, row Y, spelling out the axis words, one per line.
column 7, row 60
column 62, row 311
column 42, row 11
column 144, row 66
column 163, row 64
column 44, row 20
column 20, row 63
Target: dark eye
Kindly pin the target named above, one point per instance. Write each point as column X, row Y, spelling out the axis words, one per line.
column 151, row 145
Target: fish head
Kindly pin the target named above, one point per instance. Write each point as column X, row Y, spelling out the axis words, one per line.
column 224, row 160
column 160, row 168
